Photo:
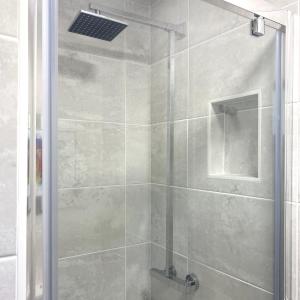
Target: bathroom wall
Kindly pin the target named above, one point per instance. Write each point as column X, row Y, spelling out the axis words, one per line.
column 104, row 159
column 223, row 223
column 8, row 140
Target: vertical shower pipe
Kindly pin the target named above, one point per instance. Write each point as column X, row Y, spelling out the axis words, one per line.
column 170, row 271
column 278, row 134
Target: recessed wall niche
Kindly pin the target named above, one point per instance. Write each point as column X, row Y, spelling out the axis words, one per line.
column 234, row 137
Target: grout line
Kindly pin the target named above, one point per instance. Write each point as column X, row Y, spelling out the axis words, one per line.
column 213, row 192
column 213, row 269
column 230, row 276
column 164, row 248
column 101, row 251
column 8, row 258
column 125, row 166
column 187, row 111
column 206, row 116
column 103, row 186
column 104, row 122
column 9, row 38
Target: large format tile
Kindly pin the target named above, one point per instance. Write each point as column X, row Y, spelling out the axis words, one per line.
column 138, row 154
column 9, row 17
column 138, row 93
column 233, row 234
column 180, row 217
column 91, row 154
column 215, row 285
column 159, row 164
column 231, row 64
column 138, row 214
column 8, row 145
column 138, row 43
column 160, row 89
column 91, row 87
column 138, row 36
column 139, row 7
column 90, row 220
column 168, row 11
column 200, row 178
column 96, row 276
column 7, row 278
column 208, row 20
column 138, row 272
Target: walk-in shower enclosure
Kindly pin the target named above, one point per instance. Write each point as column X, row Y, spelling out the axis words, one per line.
column 163, row 152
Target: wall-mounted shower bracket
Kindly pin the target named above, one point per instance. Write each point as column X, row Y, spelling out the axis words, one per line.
column 186, row 286
column 180, row 29
column 258, row 26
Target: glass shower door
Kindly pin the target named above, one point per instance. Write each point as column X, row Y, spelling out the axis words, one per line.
column 216, row 168
column 169, row 147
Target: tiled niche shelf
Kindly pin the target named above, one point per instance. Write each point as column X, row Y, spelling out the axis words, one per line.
column 234, row 137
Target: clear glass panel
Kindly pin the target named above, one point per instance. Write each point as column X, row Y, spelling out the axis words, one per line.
column 153, row 188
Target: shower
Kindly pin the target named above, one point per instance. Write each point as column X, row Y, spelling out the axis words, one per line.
column 95, row 23
column 97, row 26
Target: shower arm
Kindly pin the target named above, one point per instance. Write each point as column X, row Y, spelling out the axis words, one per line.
column 180, row 29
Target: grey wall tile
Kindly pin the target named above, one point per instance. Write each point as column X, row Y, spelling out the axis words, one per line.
column 180, row 217
column 138, row 36
column 138, row 154
column 138, row 94
column 160, row 88
column 95, row 276
column 138, row 43
column 91, row 87
column 7, row 278
column 170, row 12
column 99, row 157
column 8, row 145
column 199, row 178
column 138, row 282
column 140, row 7
column 231, row 64
column 159, row 151
column 9, row 17
column 90, row 220
column 207, row 21
column 138, row 214
column 233, row 234
column 215, row 285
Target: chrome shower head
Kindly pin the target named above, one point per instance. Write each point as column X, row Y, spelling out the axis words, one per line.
column 97, row 26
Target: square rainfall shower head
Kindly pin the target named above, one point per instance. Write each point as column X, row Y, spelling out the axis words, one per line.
column 97, row 26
